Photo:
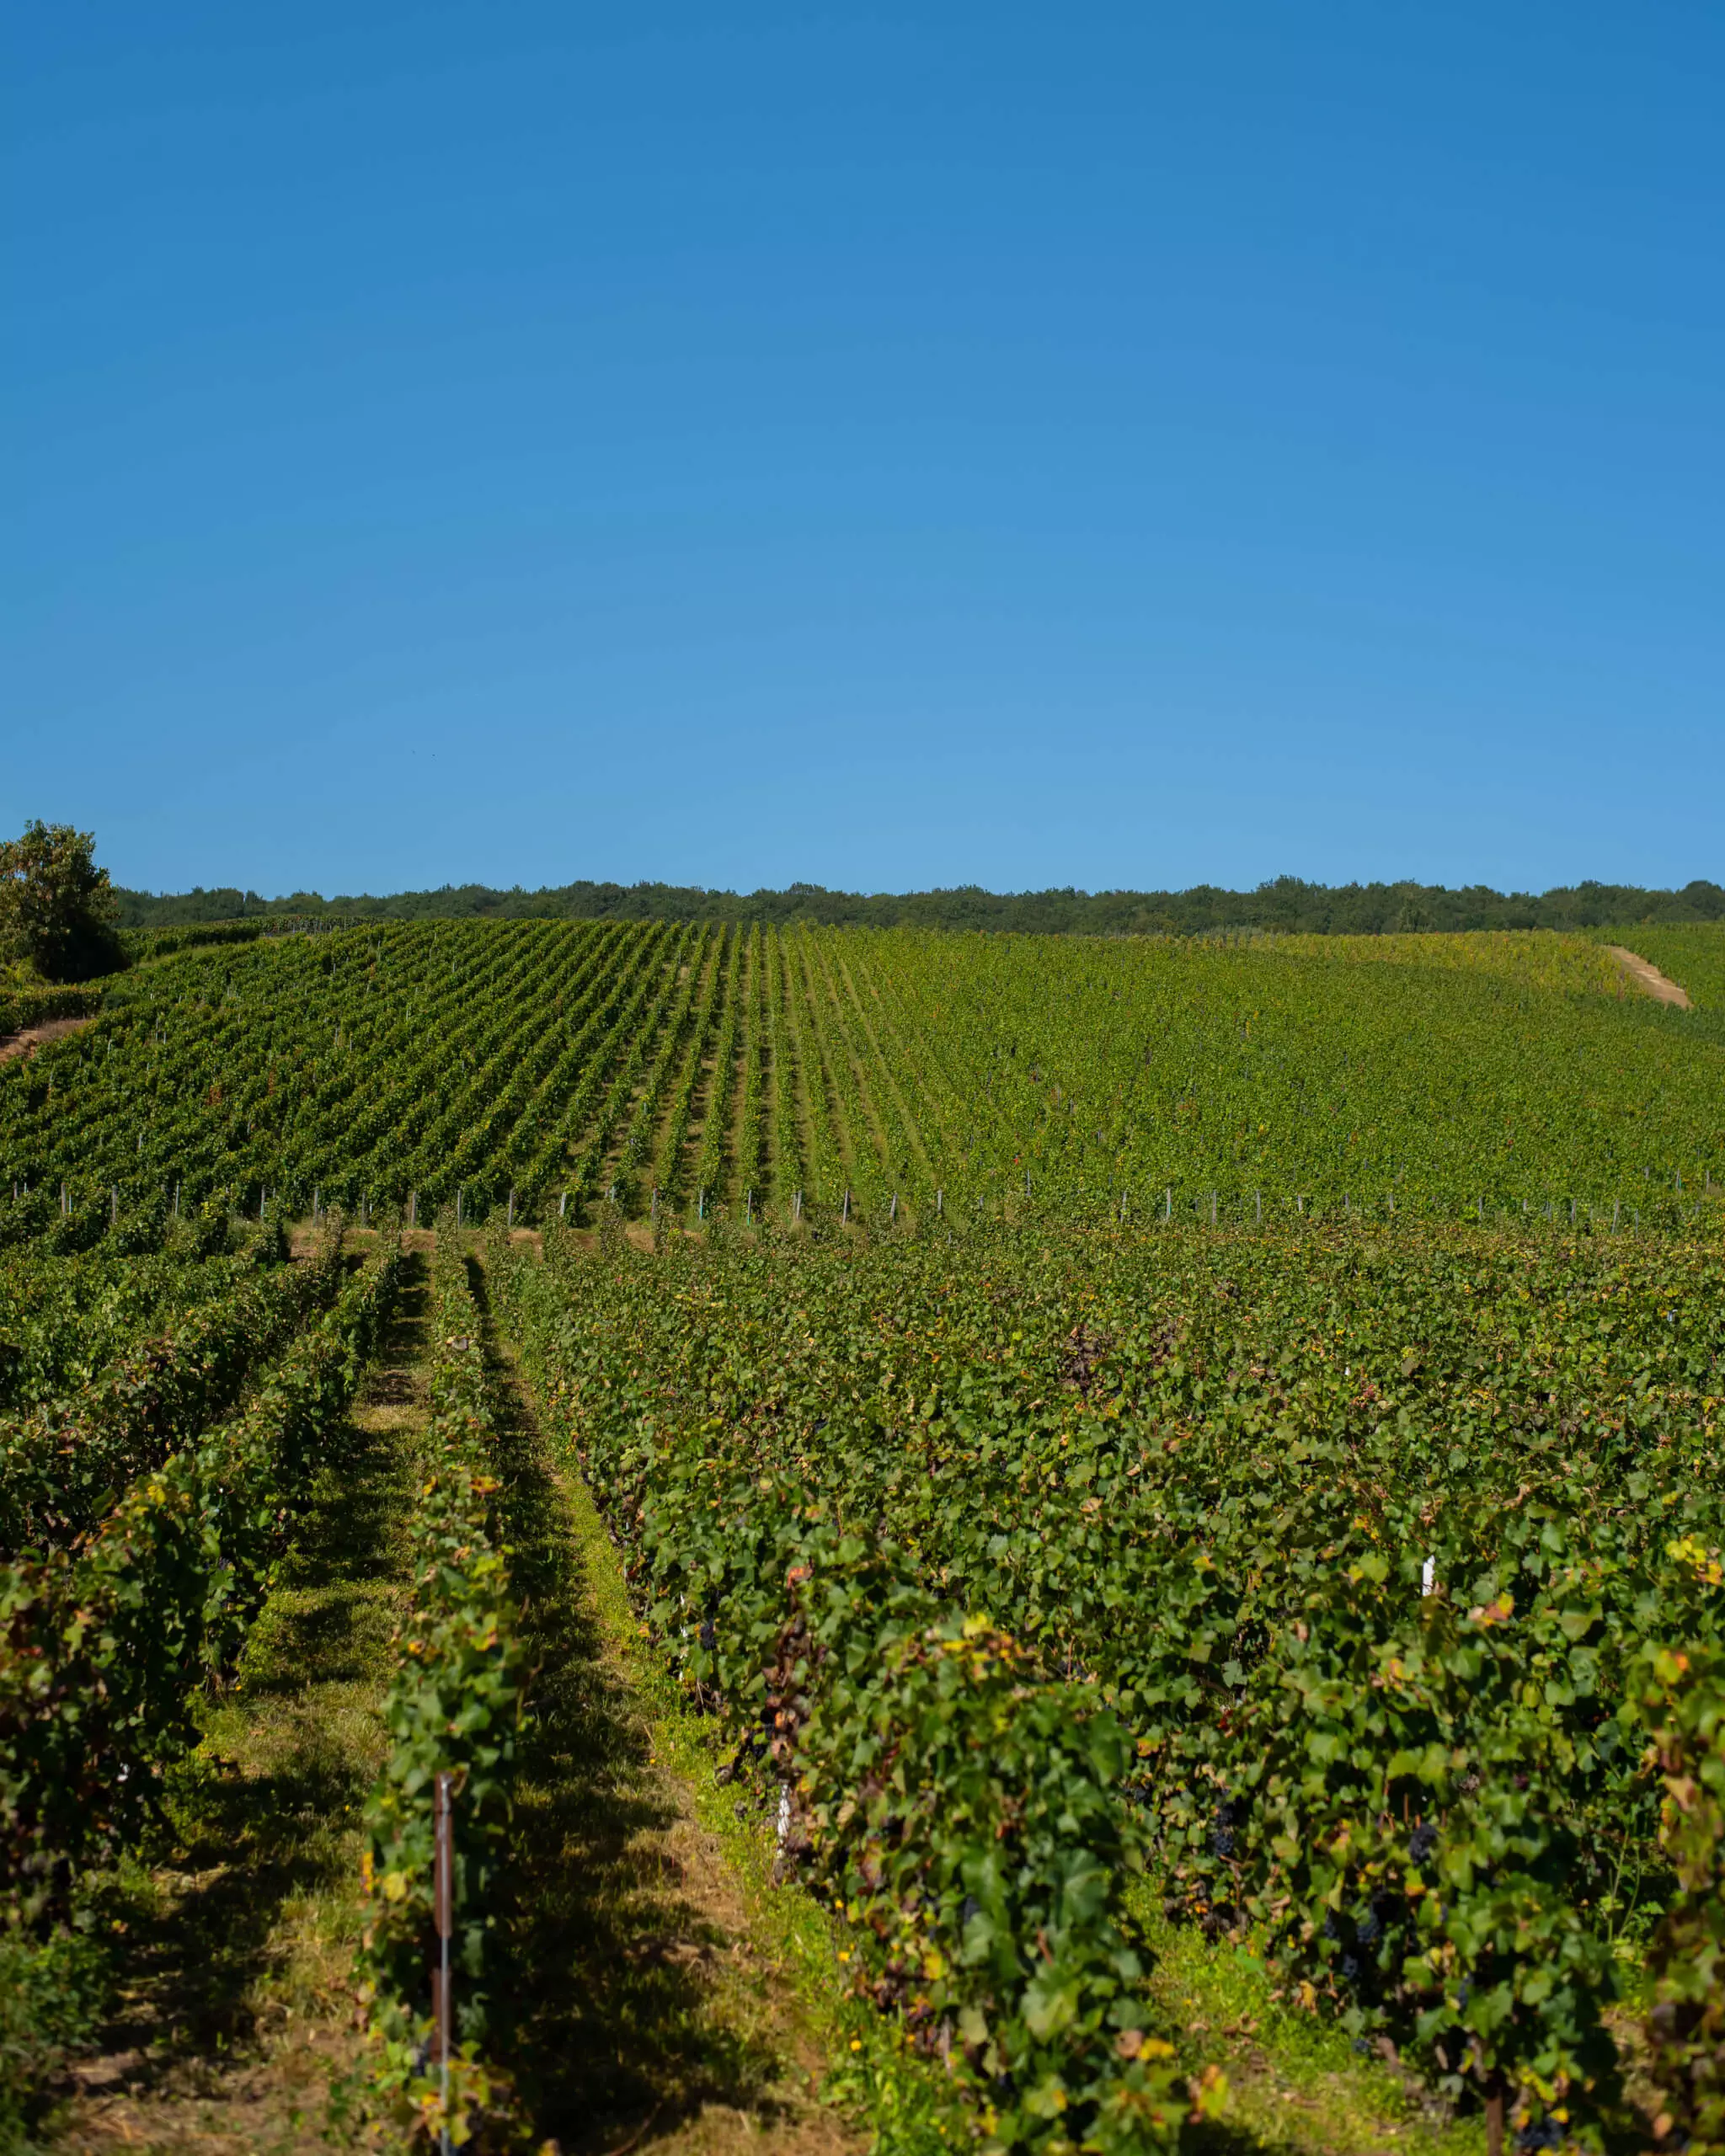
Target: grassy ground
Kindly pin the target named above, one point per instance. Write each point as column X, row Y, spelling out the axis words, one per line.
column 1295, row 2083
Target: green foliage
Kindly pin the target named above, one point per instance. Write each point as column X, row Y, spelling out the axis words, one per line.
column 1361, row 1540
column 162, row 942
column 890, row 1079
column 1286, row 904
column 63, row 1463
column 1693, row 957
column 57, row 910
column 958, row 1808
column 1108, row 1441
column 1397, row 1820
column 62, row 1319
column 53, row 1992
column 453, row 1708
column 24, row 1003
column 961, row 1813
column 104, row 1644
column 1684, row 1704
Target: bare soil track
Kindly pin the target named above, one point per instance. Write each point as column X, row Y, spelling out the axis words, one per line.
column 50, row 1029
column 1649, row 978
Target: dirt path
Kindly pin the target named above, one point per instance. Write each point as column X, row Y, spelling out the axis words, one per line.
column 50, row 1029
column 1649, row 978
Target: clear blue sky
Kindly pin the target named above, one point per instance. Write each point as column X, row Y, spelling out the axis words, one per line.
column 1111, row 444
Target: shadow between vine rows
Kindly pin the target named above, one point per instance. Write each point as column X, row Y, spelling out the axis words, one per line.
column 622, row 1965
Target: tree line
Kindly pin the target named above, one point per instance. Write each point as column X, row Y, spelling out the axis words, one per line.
column 1285, row 904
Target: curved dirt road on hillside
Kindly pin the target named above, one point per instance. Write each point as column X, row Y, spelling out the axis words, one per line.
column 50, row 1029
column 1649, row 978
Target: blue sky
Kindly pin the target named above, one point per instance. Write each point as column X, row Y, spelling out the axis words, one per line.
column 1113, row 446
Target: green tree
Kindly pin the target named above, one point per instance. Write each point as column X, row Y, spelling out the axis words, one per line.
column 57, row 908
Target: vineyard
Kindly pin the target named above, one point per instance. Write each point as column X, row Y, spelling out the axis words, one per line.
column 888, row 1079
column 1346, row 1583
column 1103, row 1441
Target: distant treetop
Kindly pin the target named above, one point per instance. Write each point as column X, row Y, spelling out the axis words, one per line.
column 1285, row 902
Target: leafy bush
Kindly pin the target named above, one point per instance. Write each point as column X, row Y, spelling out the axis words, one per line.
column 961, row 1813
column 52, row 1995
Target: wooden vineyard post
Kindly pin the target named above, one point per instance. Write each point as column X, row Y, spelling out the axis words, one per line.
column 845, row 1210
column 563, row 1207
column 443, row 1901
column 940, row 1202
column 1496, row 2105
column 893, row 1213
column 511, row 1205
column 749, row 1207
